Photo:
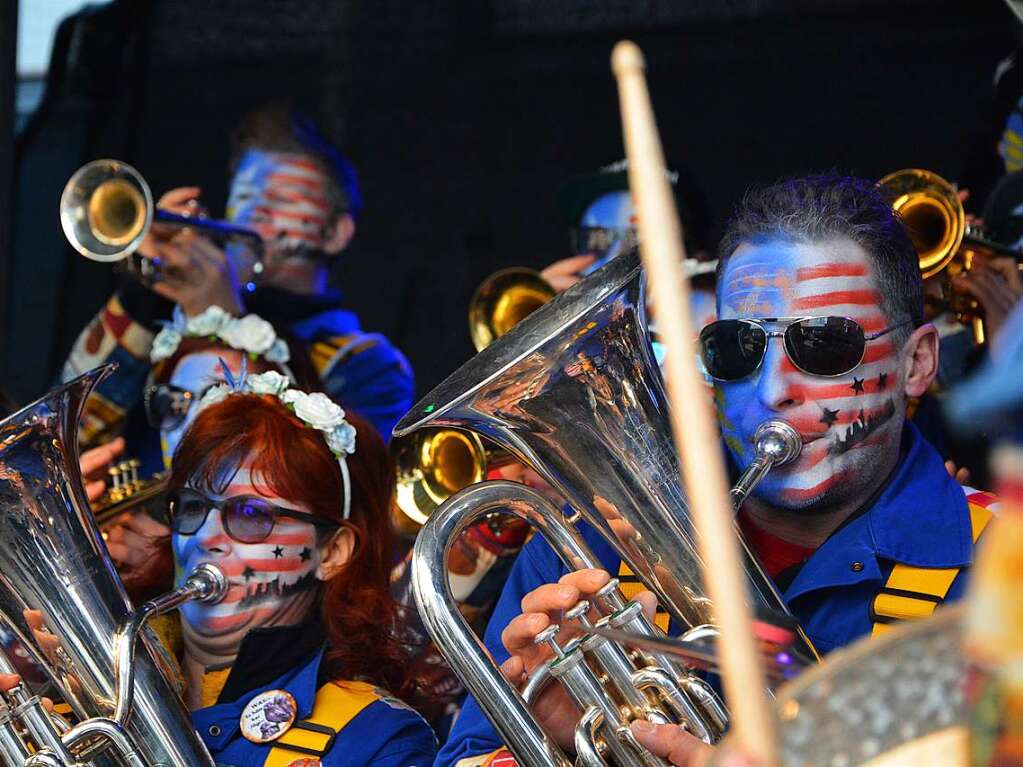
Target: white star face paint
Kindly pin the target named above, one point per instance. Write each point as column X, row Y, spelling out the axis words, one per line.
column 850, row 424
column 272, row 583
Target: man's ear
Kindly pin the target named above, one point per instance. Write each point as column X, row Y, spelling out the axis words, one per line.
column 921, row 361
column 338, row 234
column 336, row 553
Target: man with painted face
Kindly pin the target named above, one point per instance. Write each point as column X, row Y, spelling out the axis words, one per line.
column 820, row 310
column 298, row 192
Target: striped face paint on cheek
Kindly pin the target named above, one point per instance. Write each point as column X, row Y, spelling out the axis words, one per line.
column 847, row 422
column 281, row 195
column 272, row 582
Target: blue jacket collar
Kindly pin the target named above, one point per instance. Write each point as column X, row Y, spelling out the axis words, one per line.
column 300, row 681
column 332, row 322
column 921, row 518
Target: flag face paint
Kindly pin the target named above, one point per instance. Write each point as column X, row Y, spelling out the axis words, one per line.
column 613, row 210
column 281, row 195
column 848, row 423
column 272, row 583
column 196, row 373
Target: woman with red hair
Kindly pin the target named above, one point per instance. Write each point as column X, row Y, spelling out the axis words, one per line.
column 287, row 495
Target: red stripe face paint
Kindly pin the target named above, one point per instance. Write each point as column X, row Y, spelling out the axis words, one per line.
column 271, row 583
column 281, row 195
column 850, row 423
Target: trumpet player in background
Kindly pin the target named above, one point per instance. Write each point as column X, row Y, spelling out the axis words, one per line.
column 302, row 196
column 820, row 307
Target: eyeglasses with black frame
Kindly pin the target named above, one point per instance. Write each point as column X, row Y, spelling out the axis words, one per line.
column 822, row 346
column 246, row 518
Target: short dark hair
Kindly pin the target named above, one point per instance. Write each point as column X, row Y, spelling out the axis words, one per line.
column 279, row 127
column 830, row 205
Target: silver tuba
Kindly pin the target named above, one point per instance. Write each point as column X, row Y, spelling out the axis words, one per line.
column 574, row 392
column 66, row 623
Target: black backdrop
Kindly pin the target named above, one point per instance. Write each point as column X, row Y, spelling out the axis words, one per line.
column 463, row 118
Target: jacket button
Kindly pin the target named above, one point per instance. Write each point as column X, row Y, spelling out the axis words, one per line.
column 214, row 730
column 857, row 567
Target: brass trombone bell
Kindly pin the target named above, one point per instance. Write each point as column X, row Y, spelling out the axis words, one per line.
column 433, row 464
column 504, row 299
column 933, row 214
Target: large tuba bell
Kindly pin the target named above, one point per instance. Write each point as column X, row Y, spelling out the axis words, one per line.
column 574, row 392
column 65, row 616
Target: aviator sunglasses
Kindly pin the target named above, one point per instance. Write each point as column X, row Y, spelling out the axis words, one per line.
column 245, row 518
column 820, row 346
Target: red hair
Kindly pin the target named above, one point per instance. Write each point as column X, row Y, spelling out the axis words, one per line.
column 294, row 462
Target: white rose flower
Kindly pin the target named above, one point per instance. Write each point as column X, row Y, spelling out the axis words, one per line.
column 251, row 333
column 270, row 382
column 208, row 323
column 214, row 395
column 278, row 353
column 292, row 396
column 165, row 344
column 319, row 411
column 341, row 439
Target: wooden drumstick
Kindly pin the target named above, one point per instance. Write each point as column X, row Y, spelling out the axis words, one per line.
column 692, row 418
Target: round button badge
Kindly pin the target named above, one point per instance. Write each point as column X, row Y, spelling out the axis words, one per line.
column 268, row 716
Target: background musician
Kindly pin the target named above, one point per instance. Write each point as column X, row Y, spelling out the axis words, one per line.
column 820, row 304
column 302, row 196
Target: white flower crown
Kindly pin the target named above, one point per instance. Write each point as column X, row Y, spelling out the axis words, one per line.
column 251, row 334
column 314, row 408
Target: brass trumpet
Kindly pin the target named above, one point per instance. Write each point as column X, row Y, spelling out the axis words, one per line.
column 944, row 241
column 106, row 210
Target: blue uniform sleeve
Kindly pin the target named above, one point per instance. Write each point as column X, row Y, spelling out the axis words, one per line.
column 472, row 733
column 376, row 382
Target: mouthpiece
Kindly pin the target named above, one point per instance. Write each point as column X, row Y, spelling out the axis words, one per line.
column 626, row 58
column 208, row 583
column 777, row 441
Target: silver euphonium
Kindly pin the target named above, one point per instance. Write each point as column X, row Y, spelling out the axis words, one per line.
column 66, row 623
column 574, row 392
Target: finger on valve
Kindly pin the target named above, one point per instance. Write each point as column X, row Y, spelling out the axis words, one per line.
column 671, row 742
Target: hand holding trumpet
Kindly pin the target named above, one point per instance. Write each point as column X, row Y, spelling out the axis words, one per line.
column 196, row 273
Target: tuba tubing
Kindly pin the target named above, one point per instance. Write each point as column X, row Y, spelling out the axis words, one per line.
column 61, row 600
column 505, row 707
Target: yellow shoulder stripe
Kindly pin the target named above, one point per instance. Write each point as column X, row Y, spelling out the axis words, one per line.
column 630, row 585
column 336, row 704
column 915, row 592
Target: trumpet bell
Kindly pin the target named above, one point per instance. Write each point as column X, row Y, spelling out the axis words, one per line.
column 503, row 300
column 932, row 212
column 106, row 210
column 433, row 464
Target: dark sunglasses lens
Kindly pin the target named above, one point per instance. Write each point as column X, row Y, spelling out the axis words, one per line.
column 248, row 520
column 188, row 512
column 167, row 406
column 732, row 349
column 825, row 346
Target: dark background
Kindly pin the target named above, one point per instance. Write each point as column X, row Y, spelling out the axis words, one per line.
column 464, row 117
